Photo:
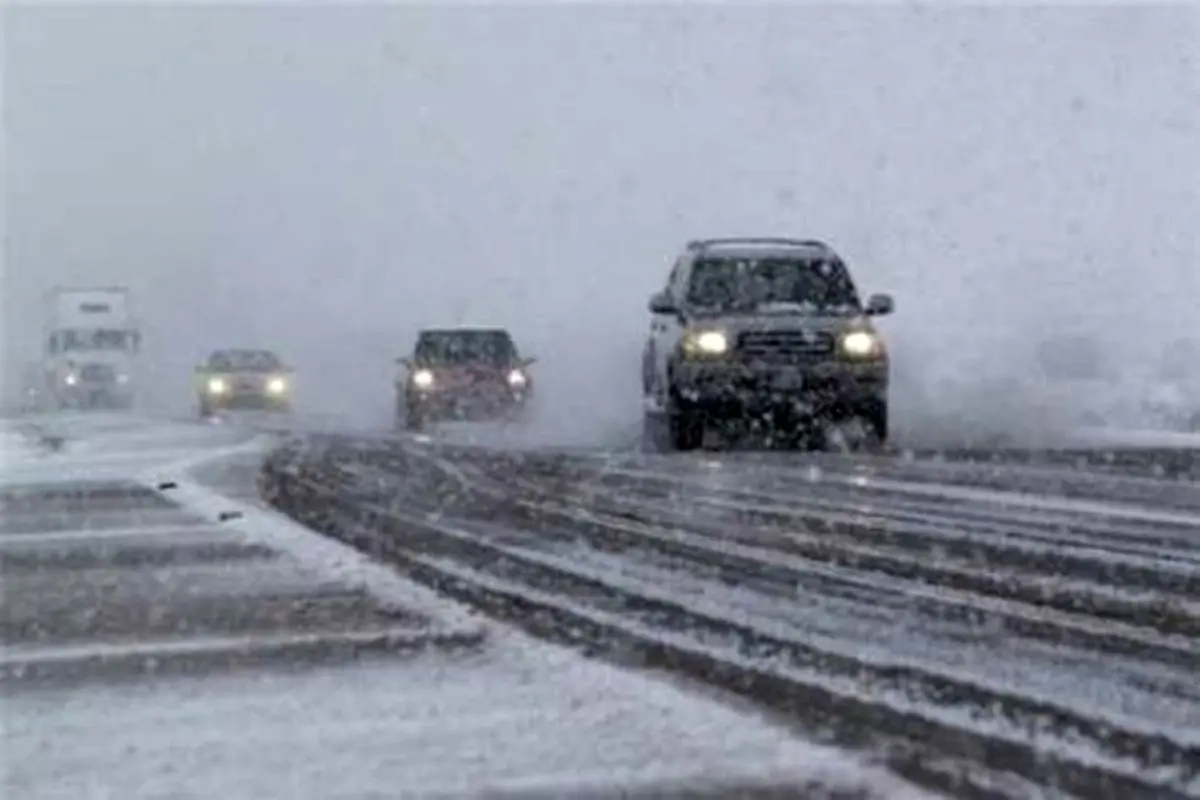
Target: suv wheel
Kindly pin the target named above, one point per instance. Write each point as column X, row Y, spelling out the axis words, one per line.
column 667, row 432
column 875, row 417
column 686, row 429
column 670, row 429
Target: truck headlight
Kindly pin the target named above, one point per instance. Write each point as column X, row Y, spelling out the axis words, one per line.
column 217, row 386
column 422, row 379
column 861, row 344
column 517, row 379
column 71, row 379
column 276, row 386
column 708, row 343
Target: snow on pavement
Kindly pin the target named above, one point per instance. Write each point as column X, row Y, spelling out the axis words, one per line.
column 520, row 712
column 18, row 444
column 515, row 715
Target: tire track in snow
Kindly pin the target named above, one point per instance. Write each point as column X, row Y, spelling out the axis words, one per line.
column 520, row 559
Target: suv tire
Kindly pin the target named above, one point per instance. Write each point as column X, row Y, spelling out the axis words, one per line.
column 686, row 430
column 875, row 417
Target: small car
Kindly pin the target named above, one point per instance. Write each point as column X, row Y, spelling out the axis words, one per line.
column 762, row 330
column 462, row 373
column 244, row 379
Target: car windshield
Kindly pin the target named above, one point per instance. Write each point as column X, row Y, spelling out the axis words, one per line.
column 245, row 361
column 794, row 284
column 466, row 347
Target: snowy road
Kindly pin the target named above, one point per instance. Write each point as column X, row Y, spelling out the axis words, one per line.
column 1012, row 625
column 166, row 635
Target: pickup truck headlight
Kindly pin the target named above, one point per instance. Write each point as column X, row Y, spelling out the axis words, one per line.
column 217, row 386
column 861, row 344
column 705, row 343
column 276, row 386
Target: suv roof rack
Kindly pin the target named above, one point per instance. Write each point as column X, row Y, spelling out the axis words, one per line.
column 700, row 244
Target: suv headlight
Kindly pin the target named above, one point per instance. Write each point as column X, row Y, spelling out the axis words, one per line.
column 422, row 379
column 276, row 386
column 517, row 379
column 217, row 386
column 705, row 343
column 861, row 344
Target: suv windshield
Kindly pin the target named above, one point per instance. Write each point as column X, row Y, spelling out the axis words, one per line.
column 466, row 347
column 733, row 284
column 245, row 361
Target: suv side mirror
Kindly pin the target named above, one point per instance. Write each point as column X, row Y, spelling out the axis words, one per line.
column 528, row 361
column 662, row 303
column 880, row 305
column 404, row 361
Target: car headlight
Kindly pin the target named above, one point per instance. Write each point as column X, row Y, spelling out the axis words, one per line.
column 217, row 386
column 708, row 343
column 517, row 379
column 71, row 379
column 422, row 379
column 276, row 386
column 861, row 344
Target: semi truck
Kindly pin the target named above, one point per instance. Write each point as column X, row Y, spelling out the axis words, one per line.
column 90, row 345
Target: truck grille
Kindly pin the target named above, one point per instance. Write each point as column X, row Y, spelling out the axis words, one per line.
column 97, row 373
column 784, row 346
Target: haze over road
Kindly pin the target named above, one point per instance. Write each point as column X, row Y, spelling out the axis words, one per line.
column 324, row 180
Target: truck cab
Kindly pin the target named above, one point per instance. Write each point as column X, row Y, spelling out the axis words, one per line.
column 91, row 350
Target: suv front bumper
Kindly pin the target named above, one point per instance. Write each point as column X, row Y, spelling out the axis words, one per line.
column 818, row 388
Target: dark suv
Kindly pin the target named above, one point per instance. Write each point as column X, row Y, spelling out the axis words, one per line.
column 464, row 374
column 769, row 330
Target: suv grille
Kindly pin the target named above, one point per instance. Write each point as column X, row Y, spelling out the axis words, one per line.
column 783, row 346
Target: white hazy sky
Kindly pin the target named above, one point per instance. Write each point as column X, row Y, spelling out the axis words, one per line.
column 325, row 180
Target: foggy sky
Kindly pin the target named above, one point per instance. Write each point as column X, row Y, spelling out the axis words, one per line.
column 325, row 181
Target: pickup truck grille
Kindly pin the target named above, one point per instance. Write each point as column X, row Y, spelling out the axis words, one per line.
column 784, row 346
